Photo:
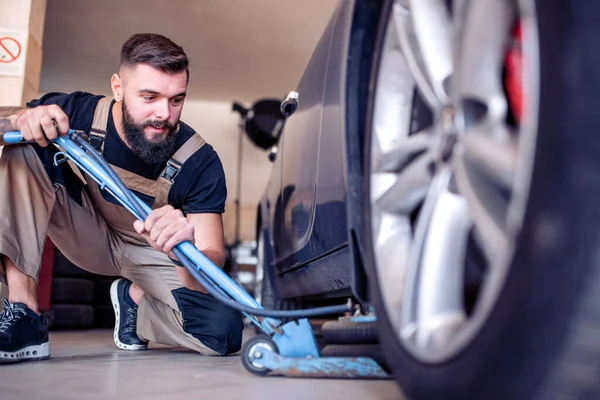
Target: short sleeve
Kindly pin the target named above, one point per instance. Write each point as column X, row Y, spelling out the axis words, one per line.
column 79, row 107
column 200, row 186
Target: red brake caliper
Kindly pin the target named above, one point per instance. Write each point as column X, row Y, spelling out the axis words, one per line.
column 514, row 74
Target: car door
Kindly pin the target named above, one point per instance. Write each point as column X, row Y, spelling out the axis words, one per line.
column 303, row 161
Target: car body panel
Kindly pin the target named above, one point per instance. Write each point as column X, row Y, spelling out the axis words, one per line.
column 309, row 232
column 330, row 229
column 300, row 152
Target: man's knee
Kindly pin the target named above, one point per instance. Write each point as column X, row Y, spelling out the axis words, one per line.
column 211, row 322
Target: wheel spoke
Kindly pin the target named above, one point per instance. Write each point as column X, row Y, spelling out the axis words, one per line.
column 433, row 29
column 493, row 151
column 404, row 29
column 480, row 60
column 403, row 153
column 409, row 187
column 394, row 96
column 410, row 296
column 393, row 240
column 487, row 206
column 440, row 302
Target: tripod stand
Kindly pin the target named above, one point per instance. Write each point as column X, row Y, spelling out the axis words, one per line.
column 262, row 122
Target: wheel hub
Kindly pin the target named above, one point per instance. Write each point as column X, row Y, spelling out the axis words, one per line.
column 448, row 131
column 256, row 352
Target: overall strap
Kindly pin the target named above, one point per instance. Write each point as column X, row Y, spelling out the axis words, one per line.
column 167, row 176
column 98, row 131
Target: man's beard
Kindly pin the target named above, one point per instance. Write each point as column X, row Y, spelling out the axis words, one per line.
column 149, row 151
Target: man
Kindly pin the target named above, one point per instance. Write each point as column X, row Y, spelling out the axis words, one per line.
column 164, row 162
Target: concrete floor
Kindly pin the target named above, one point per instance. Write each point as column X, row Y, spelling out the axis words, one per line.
column 87, row 365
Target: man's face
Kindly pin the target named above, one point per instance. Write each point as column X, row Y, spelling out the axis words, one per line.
column 152, row 105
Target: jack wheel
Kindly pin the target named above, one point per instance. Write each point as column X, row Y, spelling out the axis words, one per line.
column 253, row 351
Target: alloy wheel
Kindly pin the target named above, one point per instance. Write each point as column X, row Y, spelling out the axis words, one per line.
column 447, row 199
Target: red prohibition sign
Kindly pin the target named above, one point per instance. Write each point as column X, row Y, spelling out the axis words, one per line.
column 10, row 49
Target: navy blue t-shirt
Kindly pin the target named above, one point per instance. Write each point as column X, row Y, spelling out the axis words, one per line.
column 198, row 188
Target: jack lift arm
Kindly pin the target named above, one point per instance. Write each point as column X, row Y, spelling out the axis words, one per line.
column 288, row 349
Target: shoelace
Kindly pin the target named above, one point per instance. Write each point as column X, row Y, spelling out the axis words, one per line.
column 9, row 315
column 131, row 319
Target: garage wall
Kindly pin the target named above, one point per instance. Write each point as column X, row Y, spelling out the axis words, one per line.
column 220, row 127
column 239, row 50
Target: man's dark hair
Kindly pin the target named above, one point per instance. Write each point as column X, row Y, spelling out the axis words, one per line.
column 155, row 50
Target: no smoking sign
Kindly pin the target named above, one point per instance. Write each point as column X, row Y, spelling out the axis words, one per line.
column 10, row 49
column 13, row 48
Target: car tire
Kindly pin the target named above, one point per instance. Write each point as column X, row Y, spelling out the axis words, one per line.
column 349, row 332
column 104, row 316
column 540, row 339
column 102, row 290
column 72, row 291
column 71, row 316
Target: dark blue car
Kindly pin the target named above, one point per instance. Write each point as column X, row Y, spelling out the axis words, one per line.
column 441, row 169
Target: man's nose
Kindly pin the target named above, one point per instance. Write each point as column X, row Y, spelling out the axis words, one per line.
column 162, row 110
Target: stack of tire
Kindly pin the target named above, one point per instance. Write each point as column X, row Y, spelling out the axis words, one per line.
column 346, row 337
column 79, row 299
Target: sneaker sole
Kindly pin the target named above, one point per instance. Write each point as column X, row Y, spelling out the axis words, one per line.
column 114, row 297
column 36, row 352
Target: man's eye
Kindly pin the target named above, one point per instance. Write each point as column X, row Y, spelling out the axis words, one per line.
column 177, row 101
column 148, row 98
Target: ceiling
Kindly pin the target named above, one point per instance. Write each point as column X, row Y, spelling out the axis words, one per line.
column 239, row 50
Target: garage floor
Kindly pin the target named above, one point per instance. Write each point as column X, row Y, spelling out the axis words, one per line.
column 87, row 365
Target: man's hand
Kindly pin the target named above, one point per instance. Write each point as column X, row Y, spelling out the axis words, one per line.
column 42, row 124
column 165, row 228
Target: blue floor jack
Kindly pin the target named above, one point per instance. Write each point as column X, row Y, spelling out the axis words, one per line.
column 286, row 349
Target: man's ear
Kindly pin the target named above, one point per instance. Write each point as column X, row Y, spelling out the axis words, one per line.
column 117, row 87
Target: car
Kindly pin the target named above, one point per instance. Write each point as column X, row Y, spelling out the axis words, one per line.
column 441, row 170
